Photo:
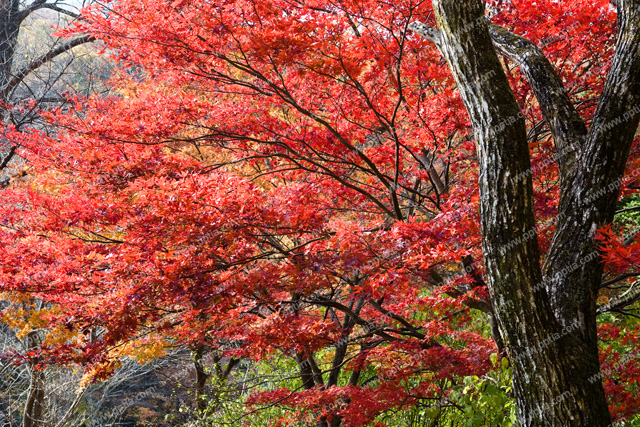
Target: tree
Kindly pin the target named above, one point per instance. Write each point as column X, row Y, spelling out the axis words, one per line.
column 592, row 163
column 22, row 96
column 301, row 177
column 35, row 67
column 64, row 396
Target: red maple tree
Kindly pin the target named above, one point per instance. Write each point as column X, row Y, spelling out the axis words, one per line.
column 301, row 177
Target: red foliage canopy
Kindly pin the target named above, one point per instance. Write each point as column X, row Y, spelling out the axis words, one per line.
column 283, row 176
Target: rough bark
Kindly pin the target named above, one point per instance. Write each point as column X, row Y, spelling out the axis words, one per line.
column 547, row 320
column 590, row 191
column 201, row 380
column 567, row 127
column 9, row 29
column 33, row 407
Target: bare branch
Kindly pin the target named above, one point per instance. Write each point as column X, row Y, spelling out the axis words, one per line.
column 631, row 209
column 620, row 303
column 59, row 10
column 5, row 161
column 619, row 278
column 38, row 62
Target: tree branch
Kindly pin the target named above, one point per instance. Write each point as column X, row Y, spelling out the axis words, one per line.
column 618, row 278
column 620, row 303
column 427, row 32
column 5, row 161
column 631, row 209
column 589, row 197
column 567, row 127
column 59, row 10
column 38, row 62
column 42, row 4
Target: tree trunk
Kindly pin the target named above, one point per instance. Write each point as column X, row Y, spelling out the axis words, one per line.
column 9, row 28
column 546, row 316
column 201, row 380
column 33, row 408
